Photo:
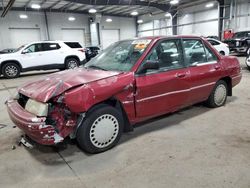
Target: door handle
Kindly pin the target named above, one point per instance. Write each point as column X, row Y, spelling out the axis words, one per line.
column 180, row 75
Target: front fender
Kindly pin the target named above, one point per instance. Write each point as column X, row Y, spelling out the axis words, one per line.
column 82, row 98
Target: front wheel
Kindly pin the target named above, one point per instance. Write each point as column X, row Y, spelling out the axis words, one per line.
column 101, row 129
column 218, row 97
column 11, row 70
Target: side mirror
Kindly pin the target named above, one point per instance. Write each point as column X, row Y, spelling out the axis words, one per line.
column 153, row 65
column 25, row 51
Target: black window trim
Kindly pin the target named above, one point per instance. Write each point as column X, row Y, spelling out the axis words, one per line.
column 161, row 70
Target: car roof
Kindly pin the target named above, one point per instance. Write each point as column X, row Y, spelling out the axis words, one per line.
column 169, row 36
column 51, row 41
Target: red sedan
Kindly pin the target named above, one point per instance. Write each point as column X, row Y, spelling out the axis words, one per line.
column 129, row 82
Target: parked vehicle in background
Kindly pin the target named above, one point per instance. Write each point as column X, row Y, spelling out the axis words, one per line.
column 240, row 42
column 213, row 37
column 221, row 47
column 8, row 50
column 248, row 59
column 91, row 51
column 43, row 55
column 129, row 82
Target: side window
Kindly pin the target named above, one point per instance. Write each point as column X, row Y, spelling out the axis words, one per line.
column 194, row 51
column 34, row 48
column 168, row 54
column 210, row 55
column 50, row 46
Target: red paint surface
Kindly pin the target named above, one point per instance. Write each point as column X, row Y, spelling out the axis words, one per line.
column 142, row 97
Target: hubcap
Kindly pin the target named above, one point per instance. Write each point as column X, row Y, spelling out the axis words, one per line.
column 104, row 131
column 220, row 95
column 11, row 71
column 72, row 64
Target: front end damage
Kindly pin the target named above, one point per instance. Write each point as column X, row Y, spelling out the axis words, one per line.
column 51, row 129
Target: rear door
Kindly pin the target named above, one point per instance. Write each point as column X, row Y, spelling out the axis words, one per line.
column 166, row 89
column 204, row 67
column 52, row 54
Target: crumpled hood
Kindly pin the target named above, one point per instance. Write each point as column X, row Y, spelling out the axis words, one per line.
column 55, row 84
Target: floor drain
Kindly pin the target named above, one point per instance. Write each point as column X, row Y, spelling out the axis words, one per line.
column 2, row 126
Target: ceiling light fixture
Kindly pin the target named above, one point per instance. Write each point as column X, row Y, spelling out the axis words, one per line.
column 174, row 2
column 168, row 15
column 35, row 6
column 139, row 21
column 71, row 18
column 135, row 13
column 92, row 11
column 109, row 20
column 209, row 5
column 23, row 16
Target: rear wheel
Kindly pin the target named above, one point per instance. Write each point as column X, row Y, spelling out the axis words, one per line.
column 101, row 129
column 11, row 70
column 71, row 63
column 218, row 96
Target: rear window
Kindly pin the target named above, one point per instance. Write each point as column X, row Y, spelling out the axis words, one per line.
column 73, row 44
column 50, row 46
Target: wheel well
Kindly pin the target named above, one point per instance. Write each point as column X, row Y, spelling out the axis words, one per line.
column 228, row 80
column 222, row 52
column 116, row 104
column 71, row 56
column 10, row 61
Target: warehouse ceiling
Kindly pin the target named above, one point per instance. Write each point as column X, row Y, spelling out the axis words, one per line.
column 105, row 7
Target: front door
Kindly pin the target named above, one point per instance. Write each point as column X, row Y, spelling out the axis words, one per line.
column 166, row 89
column 32, row 56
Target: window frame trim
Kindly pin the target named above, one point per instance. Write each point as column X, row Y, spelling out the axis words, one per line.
column 204, row 45
column 162, row 70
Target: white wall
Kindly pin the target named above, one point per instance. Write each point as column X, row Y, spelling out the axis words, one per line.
column 242, row 21
column 126, row 27
column 155, row 25
column 12, row 20
column 202, row 23
column 57, row 22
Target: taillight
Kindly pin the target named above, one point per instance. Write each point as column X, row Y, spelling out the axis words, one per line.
column 82, row 50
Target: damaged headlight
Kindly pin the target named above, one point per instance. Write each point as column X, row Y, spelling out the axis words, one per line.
column 37, row 108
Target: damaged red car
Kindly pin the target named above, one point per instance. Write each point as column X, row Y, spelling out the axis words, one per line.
column 129, row 82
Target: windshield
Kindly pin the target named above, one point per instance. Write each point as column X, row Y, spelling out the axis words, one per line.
column 241, row 35
column 120, row 56
column 18, row 49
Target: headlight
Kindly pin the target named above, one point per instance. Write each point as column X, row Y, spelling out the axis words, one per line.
column 37, row 108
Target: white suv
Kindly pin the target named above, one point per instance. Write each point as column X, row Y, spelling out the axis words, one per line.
column 43, row 55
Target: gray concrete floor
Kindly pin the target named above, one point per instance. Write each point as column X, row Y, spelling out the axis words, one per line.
column 197, row 147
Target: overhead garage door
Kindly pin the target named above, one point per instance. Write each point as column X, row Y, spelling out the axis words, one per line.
column 21, row 36
column 75, row 35
column 110, row 36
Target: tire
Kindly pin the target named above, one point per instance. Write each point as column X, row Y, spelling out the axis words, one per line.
column 11, row 70
column 102, row 119
column 218, row 97
column 71, row 63
column 222, row 52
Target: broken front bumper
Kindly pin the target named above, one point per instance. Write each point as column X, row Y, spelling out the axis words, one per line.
column 35, row 127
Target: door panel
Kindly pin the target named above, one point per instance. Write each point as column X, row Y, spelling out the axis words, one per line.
column 161, row 93
column 166, row 89
column 204, row 69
